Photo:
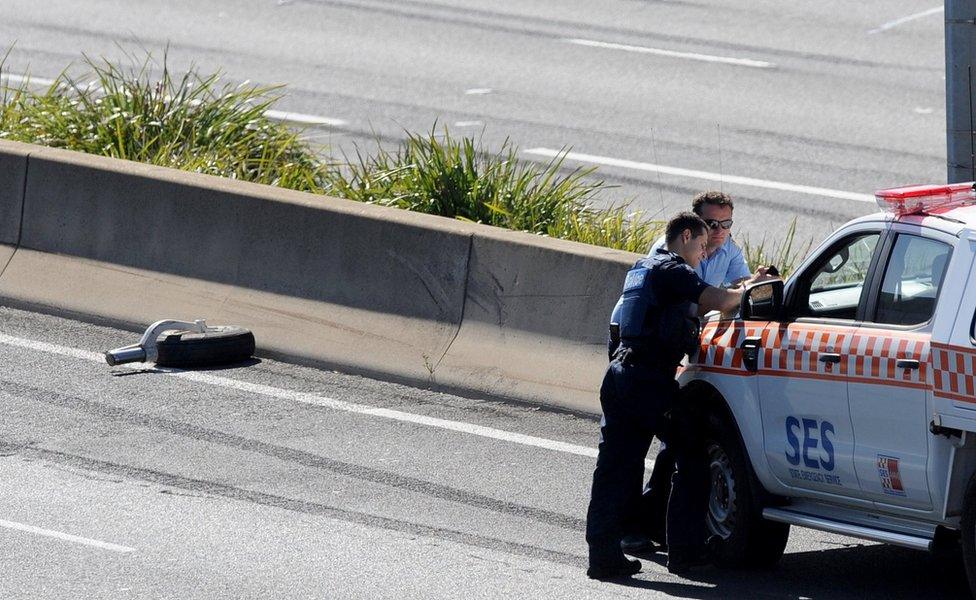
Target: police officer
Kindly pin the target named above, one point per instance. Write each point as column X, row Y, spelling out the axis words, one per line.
column 658, row 326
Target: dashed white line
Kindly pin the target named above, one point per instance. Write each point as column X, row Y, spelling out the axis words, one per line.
column 65, row 536
column 468, row 123
column 322, row 401
column 706, row 175
column 277, row 115
column 303, row 119
column 897, row 22
column 10, row 77
column 728, row 60
column 478, row 91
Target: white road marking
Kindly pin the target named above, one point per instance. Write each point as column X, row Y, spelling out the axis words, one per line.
column 735, row 179
column 316, row 400
column 924, row 110
column 478, row 91
column 303, row 119
column 65, row 536
column 468, row 123
column 10, row 77
column 897, row 22
column 728, row 60
column 277, row 115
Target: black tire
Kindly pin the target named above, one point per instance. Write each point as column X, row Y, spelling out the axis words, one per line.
column 217, row 346
column 968, row 534
column 734, row 506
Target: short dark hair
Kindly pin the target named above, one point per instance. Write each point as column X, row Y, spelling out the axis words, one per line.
column 683, row 221
column 714, row 198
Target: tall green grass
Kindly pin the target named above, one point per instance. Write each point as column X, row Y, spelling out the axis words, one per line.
column 786, row 255
column 438, row 173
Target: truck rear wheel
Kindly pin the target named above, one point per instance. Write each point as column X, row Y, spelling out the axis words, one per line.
column 734, row 511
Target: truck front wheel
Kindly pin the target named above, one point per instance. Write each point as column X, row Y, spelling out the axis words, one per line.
column 968, row 534
column 734, row 511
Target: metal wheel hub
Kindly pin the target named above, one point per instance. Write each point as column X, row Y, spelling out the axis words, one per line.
column 722, row 507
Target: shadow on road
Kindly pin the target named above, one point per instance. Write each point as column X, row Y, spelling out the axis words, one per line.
column 163, row 370
column 859, row 571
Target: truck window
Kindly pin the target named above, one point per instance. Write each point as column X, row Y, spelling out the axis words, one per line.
column 912, row 280
column 835, row 286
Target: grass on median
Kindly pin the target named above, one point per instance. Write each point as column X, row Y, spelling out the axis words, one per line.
column 787, row 255
column 191, row 122
column 456, row 177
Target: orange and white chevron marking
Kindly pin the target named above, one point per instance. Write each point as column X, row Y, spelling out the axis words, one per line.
column 794, row 350
column 954, row 372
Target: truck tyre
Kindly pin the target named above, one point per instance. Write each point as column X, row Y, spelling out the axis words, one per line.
column 969, row 534
column 734, row 510
column 216, row 346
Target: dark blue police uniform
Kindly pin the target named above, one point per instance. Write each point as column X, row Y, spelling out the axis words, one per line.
column 638, row 397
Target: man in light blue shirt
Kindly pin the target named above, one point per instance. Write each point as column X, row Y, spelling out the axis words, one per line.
column 724, row 265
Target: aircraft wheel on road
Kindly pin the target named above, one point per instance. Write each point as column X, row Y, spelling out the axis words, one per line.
column 216, row 346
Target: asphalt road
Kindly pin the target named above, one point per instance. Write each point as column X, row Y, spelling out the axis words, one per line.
column 667, row 97
column 275, row 481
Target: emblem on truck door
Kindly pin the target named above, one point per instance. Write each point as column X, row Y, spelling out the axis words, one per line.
column 890, row 477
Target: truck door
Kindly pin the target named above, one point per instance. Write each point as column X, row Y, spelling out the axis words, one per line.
column 804, row 368
column 888, row 391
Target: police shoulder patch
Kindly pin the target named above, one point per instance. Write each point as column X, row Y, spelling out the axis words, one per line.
column 635, row 279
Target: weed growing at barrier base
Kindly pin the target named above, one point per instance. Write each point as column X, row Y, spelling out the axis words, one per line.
column 785, row 256
column 191, row 123
column 455, row 177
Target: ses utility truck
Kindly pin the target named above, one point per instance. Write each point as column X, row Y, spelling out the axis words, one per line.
column 845, row 400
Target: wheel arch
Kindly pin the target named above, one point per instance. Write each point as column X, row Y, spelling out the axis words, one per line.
column 714, row 403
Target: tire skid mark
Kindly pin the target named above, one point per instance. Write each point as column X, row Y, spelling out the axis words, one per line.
column 293, row 455
column 304, row 506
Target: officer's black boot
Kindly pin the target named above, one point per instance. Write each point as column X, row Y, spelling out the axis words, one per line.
column 638, row 543
column 682, row 560
column 616, row 570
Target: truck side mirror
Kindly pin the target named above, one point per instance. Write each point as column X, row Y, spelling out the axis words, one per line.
column 762, row 301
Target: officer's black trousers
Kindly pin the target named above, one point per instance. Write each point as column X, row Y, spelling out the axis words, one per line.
column 651, row 517
column 634, row 400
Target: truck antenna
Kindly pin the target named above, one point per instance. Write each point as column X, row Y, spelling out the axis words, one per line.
column 721, row 168
column 660, row 186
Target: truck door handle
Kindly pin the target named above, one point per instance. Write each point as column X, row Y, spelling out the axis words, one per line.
column 906, row 363
column 829, row 358
column 750, row 352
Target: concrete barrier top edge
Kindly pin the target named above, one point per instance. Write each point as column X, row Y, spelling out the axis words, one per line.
column 556, row 245
column 17, row 148
column 245, row 188
column 313, row 201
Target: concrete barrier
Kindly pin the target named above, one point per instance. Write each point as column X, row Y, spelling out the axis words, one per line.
column 535, row 319
column 337, row 283
column 13, row 175
column 6, row 253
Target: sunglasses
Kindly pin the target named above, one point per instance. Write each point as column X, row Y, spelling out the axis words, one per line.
column 713, row 224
